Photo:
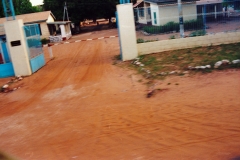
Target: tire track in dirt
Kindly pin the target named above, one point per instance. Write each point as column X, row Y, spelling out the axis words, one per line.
column 69, row 60
column 95, row 69
column 96, row 112
column 57, row 79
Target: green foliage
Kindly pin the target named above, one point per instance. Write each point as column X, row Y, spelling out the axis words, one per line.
column 170, row 26
column 44, row 41
column 237, row 5
column 193, row 24
column 172, row 37
column 149, row 61
column 174, row 57
column 139, row 40
column 151, row 40
column 157, row 68
column 160, row 64
column 37, row 9
column 117, row 57
column 21, row 7
column 174, row 27
column 197, row 33
column 134, row 1
column 227, row 3
column 81, row 10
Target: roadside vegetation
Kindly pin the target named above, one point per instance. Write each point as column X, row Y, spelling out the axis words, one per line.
column 22, row 7
column 174, row 26
column 178, row 62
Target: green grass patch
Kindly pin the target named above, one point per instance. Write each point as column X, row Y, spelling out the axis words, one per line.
column 172, row 37
column 197, row 33
column 139, row 40
column 168, row 61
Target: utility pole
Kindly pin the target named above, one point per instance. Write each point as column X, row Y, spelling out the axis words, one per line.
column 180, row 19
column 204, row 18
column 65, row 11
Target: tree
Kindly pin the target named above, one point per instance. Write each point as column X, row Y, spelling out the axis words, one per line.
column 79, row 10
column 1, row 10
column 37, row 9
column 21, row 7
column 235, row 4
column 56, row 6
column 109, row 9
column 134, row 1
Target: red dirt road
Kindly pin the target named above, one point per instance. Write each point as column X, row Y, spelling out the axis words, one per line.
column 80, row 106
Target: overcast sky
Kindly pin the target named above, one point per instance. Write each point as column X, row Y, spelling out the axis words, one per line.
column 36, row 2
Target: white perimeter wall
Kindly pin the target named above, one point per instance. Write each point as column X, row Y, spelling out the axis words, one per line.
column 127, row 33
column 190, row 42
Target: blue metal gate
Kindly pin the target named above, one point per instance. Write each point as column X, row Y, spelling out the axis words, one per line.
column 6, row 66
column 34, row 45
column 5, row 52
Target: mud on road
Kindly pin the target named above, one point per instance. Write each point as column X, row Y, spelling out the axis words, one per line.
column 80, row 106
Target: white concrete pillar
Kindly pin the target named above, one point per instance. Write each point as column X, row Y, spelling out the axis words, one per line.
column 63, row 32
column 50, row 52
column 69, row 31
column 127, row 32
column 17, row 47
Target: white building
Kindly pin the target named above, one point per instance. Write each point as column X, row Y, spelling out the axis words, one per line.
column 160, row 12
column 41, row 18
column 48, row 25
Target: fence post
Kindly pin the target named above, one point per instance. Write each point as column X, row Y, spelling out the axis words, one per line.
column 204, row 18
column 180, row 19
column 50, row 51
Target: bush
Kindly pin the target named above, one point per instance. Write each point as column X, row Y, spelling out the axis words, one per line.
column 44, row 41
column 197, row 33
column 172, row 37
column 112, row 25
column 193, row 24
column 139, row 40
column 174, row 27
